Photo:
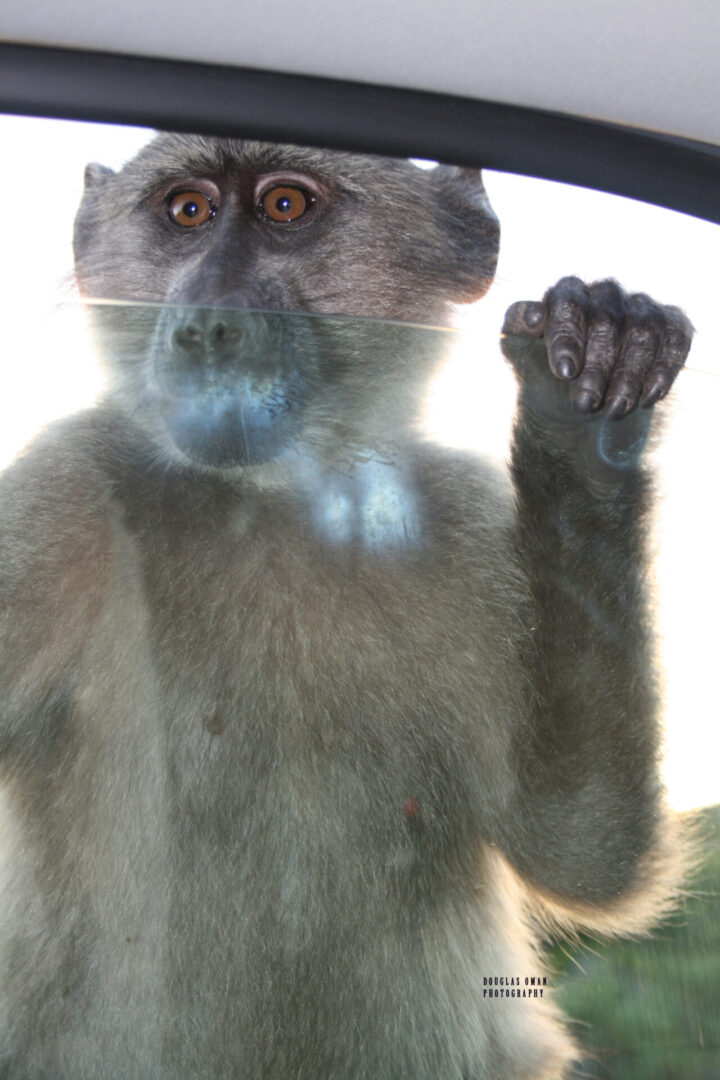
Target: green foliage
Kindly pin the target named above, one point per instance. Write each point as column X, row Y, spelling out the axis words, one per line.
column 650, row 1010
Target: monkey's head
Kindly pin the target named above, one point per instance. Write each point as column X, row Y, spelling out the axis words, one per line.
column 221, row 235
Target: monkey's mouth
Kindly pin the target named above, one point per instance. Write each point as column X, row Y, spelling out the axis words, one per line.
column 231, row 383
column 235, row 423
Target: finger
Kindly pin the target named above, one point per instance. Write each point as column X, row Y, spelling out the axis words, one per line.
column 587, row 391
column 606, row 318
column 672, row 354
column 566, row 326
column 641, row 340
column 526, row 317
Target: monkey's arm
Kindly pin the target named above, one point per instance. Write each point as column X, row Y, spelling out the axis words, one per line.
column 54, row 546
column 590, row 818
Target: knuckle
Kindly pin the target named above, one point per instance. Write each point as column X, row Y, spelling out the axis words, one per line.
column 642, row 306
column 608, row 302
column 566, row 290
column 604, row 332
column 572, row 282
column 678, row 340
column 566, row 314
column 642, row 336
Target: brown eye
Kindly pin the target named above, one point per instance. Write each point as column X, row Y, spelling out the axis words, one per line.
column 285, row 203
column 190, row 208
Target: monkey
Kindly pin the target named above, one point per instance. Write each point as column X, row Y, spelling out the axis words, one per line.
column 309, row 724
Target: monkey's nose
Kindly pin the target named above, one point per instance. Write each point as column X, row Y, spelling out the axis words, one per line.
column 215, row 341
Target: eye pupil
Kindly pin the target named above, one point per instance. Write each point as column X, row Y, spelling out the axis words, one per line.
column 285, row 203
column 190, row 208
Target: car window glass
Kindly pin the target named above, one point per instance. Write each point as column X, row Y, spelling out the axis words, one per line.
column 454, row 393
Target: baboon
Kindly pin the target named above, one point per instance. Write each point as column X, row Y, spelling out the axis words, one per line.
column 308, row 723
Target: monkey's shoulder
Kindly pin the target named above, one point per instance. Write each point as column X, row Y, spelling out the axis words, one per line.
column 55, row 504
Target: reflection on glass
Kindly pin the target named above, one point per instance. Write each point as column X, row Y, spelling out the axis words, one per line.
column 330, row 408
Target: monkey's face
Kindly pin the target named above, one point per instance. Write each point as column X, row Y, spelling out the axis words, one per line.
column 221, row 234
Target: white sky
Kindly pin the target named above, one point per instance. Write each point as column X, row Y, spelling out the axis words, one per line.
column 548, row 230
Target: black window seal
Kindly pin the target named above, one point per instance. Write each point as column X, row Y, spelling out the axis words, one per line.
column 172, row 95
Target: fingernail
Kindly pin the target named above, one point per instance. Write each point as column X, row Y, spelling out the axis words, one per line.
column 616, row 408
column 657, row 391
column 651, row 397
column 586, row 401
column 564, row 367
column 533, row 315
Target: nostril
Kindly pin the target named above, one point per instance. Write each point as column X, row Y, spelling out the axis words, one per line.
column 218, row 334
column 188, row 339
column 223, row 334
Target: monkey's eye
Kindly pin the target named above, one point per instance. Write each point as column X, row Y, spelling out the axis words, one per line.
column 191, row 208
column 285, row 203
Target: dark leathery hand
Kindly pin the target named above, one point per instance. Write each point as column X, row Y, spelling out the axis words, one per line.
column 616, row 350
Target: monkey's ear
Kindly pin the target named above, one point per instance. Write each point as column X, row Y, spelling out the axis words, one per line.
column 472, row 232
column 96, row 175
column 467, row 184
column 88, row 219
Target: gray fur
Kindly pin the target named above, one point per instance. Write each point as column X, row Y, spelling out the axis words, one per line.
column 278, row 795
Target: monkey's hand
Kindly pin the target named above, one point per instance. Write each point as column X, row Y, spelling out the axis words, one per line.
column 614, row 350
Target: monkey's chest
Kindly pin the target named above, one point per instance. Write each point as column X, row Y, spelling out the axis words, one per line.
column 313, row 716
column 313, row 704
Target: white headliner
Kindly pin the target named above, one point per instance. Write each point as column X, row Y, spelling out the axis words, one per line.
column 647, row 63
